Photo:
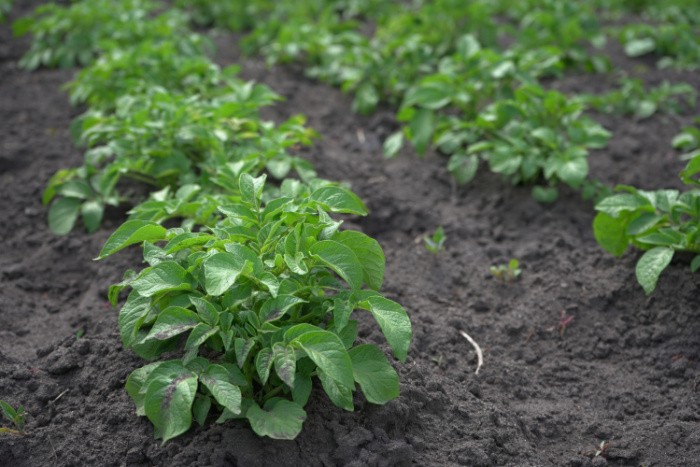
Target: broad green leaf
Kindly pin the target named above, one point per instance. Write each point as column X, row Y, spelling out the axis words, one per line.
column 92, row 212
column 276, row 307
column 251, row 188
column 280, row 419
column 610, row 233
column 695, row 264
column 132, row 316
column 302, row 389
column 340, row 259
column 8, row 411
column 168, row 402
column 615, row 204
column 221, row 271
column 463, row 167
column 199, row 335
column 173, row 321
column 651, row 265
column 327, row 351
column 422, row 126
column 135, row 385
column 393, row 144
column 285, row 363
column 215, row 379
column 200, row 409
column 374, row 374
column 394, row 322
column 545, row 194
column 339, row 394
column 573, row 172
column 63, row 214
column 242, row 348
column 263, row 364
column 430, row 95
column 643, row 223
column 132, row 232
column 165, row 276
column 370, row 254
column 338, row 199
column 639, row 47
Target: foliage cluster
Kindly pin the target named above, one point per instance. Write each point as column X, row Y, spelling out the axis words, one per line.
column 250, row 286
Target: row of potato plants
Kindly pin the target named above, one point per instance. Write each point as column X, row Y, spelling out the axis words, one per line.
column 459, row 89
column 250, row 284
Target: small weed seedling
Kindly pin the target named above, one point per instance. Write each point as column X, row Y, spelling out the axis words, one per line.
column 507, row 273
column 435, row 243
column 564, row 322
column 14, row 416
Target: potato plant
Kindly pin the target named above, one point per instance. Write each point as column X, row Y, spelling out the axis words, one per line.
column 66, row 36
column 660, row 222
column 258, row 306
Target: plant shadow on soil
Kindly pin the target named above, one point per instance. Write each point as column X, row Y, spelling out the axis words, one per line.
column 626, row 371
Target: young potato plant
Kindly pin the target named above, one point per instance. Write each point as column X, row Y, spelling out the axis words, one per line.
column 634, row 99
column 537, row 137
column 15, row 416
column 506, row 273
column 169, row 140
column 257, row 307
column 435, row 243
column 66, row 36
column 148, row 64
column 677, row 45
column 688, row 141
column 660, row 222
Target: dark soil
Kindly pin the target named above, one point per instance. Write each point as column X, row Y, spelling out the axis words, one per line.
column 625, row 372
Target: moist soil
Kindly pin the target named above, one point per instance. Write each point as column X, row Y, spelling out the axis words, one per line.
column 625, row 372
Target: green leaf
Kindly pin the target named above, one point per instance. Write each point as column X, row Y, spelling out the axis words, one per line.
column 165, row 276
column 285, row 363
column 276, row 307
column 135, row 385
column 651, row 265
column 200, row 409
column 132, row 316
column 339, row 394
column 695, row 264
column 610, row 233
column 430, row 95
column 92, row 212
column 340, row 259
column 393, row 144
column 251, row 188
column 338, row 199
column 280, row 419
column 422, row 127
column 463, row 167
column 302, row 389
column 62, row 215
column 132, row 232
column 221, row 271
column 199, row 335
column 374, row 374
column 368, row 252
column 263, row 364
column 8, row 411
column 615, row 204
column 168, row 402
column 171, row 322
column 639, row 47
column 242, row 348
column 327, row 351
column 545, row 194
column 215, row 379
column 573, row 172
column 394, row 322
